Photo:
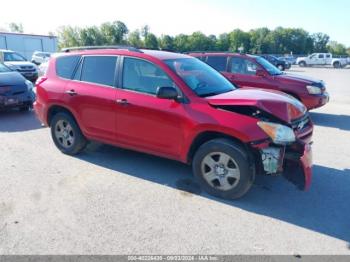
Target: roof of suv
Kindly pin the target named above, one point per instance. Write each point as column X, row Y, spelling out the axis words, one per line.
column 162, row 55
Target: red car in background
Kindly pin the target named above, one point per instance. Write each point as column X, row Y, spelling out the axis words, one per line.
column 175, row 106
column 254, row 71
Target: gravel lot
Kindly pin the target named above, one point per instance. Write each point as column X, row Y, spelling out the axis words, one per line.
column 114, row 201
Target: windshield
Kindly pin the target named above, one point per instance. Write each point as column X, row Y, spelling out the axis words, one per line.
column 268, row 66
column 13, row 57
column 4, row 68
column 201, row 78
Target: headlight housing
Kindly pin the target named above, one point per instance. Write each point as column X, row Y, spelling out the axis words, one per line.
column 29, row 85
column 13, row 67
column 280, row 134
column 313, row 90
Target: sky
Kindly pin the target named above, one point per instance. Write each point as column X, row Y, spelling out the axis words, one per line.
column 181, row 16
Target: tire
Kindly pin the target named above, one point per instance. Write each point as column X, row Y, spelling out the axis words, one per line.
column 281, row 67
column 336, row 65
column 302, row 64
column 66, row 134
column 230, row 175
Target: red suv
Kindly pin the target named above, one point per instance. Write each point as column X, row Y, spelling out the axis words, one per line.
column 175, row 106
column 254, row 71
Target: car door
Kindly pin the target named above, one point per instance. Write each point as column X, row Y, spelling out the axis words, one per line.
column 321, row 60
column 242, row 72
column 92, row 96
column 145, row 122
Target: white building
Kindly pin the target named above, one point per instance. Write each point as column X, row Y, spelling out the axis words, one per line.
column 26, row 44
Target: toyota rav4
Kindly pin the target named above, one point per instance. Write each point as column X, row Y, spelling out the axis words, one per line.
column 175, row 106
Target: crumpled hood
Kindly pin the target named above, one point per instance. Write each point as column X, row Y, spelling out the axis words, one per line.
column 306, row 79
column 278, row 104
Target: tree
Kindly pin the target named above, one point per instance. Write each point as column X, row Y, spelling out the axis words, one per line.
column 91, row 36
column 166, row 42
column 181, row 43
column 16, row 27
column 144, row 31
column 134, row 39
column 114, row 33
column 336, row 48
column 238, row 39
column 259, row 42
column 200, row 42
column 223, row 42
column 320, row 42
column 151, row 41
column 69, row 36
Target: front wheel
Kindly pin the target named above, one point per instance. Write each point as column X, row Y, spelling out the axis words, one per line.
column 222, row 168
column 281, row 67
column 66, row 134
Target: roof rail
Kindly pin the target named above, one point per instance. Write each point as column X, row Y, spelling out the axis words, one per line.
column 208, row 52
column 78, row 48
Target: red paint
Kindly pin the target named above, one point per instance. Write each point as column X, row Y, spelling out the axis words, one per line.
column 294, row 85
column 149, row 124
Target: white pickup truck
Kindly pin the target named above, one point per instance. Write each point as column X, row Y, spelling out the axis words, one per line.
column 322, row 59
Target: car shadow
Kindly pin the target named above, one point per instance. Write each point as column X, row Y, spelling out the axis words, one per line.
column 323, row 209
column 13, row 120
column 330, row 120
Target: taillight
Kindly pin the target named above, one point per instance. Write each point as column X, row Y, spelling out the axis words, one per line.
column 40, row 80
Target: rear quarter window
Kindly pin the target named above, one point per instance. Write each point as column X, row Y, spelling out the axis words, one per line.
column 65, row 66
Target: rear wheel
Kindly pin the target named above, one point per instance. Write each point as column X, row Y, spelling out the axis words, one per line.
column 222, row 169
column 336, row 65
column 302, row 64
column 66, row 134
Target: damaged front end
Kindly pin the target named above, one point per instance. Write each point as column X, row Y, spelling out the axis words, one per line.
column 293, row 160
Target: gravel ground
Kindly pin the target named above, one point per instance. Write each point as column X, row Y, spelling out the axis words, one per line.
column 113, row 201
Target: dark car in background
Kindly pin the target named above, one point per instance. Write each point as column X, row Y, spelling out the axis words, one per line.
column 249, row 71
column 281, row 64
column 17, row 62
column 15, row 90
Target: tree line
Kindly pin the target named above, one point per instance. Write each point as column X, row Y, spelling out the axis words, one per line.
column 256, row 41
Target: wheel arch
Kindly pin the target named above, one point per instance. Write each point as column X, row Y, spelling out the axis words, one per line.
column 206, row 136
column 54, row 109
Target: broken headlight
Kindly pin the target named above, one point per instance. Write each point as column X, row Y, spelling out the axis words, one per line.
column 314, row 90
column 279, row 134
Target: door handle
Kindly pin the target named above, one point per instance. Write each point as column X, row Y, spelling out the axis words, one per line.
column 71, row 92
column 122, row 101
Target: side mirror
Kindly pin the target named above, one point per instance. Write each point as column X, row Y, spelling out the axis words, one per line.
column 260, row 72
column 167, row 92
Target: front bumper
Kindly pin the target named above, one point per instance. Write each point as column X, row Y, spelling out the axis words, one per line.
column 24, row 99
column 315, row 101
column 294, row 162
column 298, row 167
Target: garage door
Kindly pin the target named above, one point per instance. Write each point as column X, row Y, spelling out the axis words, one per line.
column 31, row 45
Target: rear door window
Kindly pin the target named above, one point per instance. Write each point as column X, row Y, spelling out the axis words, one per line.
column 217, row 62
column 65, row 66
column 99, row 70
column 242, row 66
